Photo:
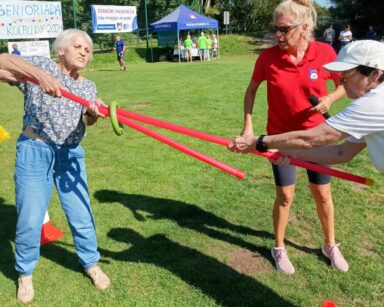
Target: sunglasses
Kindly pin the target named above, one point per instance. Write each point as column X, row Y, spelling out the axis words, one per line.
column 285, row 29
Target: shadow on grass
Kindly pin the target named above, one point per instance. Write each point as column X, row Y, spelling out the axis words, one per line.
column 7, row 236
column 217, row 280
column 187, row 216
column 193, row 217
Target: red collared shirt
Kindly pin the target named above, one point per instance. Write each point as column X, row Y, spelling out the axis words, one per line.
column 289, row 85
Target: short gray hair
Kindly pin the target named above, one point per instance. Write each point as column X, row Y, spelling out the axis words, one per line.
column 66, row 37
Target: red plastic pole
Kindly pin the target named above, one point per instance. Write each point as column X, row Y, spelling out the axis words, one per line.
column 157, row 136
column 219, row 140
column 225, row 142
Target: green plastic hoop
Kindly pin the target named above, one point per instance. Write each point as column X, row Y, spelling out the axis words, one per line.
column 117, row 127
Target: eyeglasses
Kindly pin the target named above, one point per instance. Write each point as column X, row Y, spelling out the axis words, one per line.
column 285, row 29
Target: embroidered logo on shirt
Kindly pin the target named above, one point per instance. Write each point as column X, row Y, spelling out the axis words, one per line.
column 313, row 74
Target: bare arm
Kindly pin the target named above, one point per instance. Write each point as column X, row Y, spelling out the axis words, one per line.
column 92, row 114
column 6, row 76
column 19, row 69
column 331, row 154
column 249, row 101
column 322, row 134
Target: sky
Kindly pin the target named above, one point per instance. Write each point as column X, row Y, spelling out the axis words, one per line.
column 323, row 2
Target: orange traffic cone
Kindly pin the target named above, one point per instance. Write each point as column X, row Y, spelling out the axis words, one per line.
column 49, row 233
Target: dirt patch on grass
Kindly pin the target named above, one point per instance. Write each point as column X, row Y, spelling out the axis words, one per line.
column 140, row 106
column 248, row 263
column 358, row 187
column 367, row 247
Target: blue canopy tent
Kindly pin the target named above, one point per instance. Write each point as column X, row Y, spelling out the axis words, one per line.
column 184, row 18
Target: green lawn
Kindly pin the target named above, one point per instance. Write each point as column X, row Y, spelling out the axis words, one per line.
column 173, row 231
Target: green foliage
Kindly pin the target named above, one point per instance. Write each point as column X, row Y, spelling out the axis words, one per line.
column 249, row 16
column 238, row 44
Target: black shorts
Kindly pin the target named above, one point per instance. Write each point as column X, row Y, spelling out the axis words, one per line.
column 286, row 175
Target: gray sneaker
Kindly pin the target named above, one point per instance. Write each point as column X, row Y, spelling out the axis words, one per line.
column 25, row 291
column 337, row 260
column 99, row 278
column 283, row 264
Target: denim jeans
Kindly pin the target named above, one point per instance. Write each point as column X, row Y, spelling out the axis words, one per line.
column 208, row 54
column 38, row 167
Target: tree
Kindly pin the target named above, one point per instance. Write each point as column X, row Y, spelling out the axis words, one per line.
column 249, row 15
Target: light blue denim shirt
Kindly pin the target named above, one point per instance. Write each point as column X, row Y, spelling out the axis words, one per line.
column 57, row 120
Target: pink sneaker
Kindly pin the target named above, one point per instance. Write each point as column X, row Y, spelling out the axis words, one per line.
column 283, row 265
column 337, row 260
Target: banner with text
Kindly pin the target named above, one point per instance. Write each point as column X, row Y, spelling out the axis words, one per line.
column 113, row 19
column 30, row 19
column 30, row 48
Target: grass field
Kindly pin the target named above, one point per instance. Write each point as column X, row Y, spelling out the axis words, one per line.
column 173, row 231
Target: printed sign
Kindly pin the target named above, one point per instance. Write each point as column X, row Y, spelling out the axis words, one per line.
column 113, row 19
column 30, row 48
column 30, row 19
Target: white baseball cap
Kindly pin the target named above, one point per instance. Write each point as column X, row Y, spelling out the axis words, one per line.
column 365, row 52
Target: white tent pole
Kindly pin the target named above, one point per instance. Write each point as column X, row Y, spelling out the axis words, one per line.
column 218, row 49
column 178, row 47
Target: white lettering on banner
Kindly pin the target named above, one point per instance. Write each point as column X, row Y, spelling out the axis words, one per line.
column 20, row 10
column 30, row 19
column 196, row 24
column 163, row 26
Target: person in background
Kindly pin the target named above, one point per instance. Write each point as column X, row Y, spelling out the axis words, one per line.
column 120, row 49
column 188, row 48
column 15, row 50
column 202, row 44
column 208, row 50
column 345, row 36
column 360, row 124
column 48, row 153
column 194, row 40
column 329, row 35
column 293, row 71
column 214, row 47
column 371, row 34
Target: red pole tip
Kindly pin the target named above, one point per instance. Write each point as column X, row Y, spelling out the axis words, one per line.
column 369, row 181
column 328, row 304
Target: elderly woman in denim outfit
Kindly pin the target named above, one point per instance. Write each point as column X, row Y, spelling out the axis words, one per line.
column 49, row 153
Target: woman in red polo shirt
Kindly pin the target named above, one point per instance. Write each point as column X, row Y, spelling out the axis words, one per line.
column 293, row 71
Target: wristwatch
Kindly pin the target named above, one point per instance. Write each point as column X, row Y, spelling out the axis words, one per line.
column 260, row 145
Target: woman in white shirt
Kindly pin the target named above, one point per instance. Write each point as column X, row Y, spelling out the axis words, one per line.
column 345, row 36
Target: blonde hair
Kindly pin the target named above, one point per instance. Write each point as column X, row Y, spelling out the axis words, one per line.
column 302, row 11
column 66, row 37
